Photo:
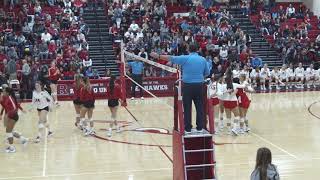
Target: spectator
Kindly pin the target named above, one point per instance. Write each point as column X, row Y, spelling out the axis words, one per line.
column 12, row 70
column 290, row 11
column 43, row 50
column 12, row 54
column 256, row 62
column 134, row 27
column 46, row 37
column 264, row 169
column 26, row 70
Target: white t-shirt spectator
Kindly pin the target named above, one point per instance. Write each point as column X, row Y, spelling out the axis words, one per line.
column 87, row 63
column 139, row 35
column 134, row 27
column 46, row 37
column 81, row 37
column 223, row 53
column 291, row 10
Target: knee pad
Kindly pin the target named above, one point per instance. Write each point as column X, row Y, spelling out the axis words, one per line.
column 41, row 125
column 54, row 94
column 241, row 120
column 90, row 120
column 77, row 115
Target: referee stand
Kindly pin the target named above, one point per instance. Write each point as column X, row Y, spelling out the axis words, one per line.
column 193, row 154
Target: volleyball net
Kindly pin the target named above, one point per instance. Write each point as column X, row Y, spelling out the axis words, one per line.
column 156, row 79
column 164, row 73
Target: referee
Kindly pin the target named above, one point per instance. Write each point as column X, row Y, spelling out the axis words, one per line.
column 194, row 70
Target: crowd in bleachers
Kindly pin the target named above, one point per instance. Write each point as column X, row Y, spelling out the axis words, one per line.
column 293, row 30
column 155, row 26
column 34, row 33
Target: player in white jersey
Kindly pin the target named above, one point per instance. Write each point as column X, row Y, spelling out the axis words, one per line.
column 236, row 73
column 264, row 76
column 213, row 93
column 42, row 100
column 290, row 75
column 299, row 73
column 254, row 76
column 220, row 86
column 245, row 72
column 283, row 78
column 275, row 76
column 317, row 75
column 310, row 74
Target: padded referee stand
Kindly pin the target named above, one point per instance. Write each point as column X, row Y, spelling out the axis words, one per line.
column 193, row 155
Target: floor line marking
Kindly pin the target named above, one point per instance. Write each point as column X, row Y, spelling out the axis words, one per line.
column 45, row 149
column 274, row 145
column 88, row 173
column 165, row 153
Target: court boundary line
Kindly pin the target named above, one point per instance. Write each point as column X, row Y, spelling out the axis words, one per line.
column 88, row 173
column 310, row 112
column 274, row 145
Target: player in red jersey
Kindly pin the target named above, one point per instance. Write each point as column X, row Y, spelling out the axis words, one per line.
column 113, row 95
column 78, row 84
column 54, row 76
column 244, row 103
column 87, row 99
column 11, row 107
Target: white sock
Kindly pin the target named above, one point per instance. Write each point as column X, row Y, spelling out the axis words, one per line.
column 236, row 122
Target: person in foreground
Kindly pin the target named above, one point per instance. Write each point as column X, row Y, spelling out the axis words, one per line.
column 264, row 169
column 194, row 71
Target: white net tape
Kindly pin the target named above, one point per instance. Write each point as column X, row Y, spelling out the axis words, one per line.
column 131, row 56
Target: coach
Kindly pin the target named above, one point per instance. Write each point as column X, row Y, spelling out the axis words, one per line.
column 194, row 71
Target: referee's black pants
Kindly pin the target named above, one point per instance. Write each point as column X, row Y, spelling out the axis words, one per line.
column 137, row 78
column 193, row 92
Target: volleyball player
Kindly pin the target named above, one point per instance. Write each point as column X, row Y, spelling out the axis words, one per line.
column 113, row 95
column 275, row 77
column 54, row 75
column 78, row 83
column 246, row 72
column 231, row 103
column 255, row 76
column 11, row 106
column 221, row 86
column 87, row 99
column 244, row 103
column 290, row 75
column 264, row 76
column 236, row 73
column 310, row 76
column 42, row 100
column 283, row 78
column 214, row 100
column 299, row 74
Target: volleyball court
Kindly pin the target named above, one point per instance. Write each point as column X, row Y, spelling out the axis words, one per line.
column 193, row 155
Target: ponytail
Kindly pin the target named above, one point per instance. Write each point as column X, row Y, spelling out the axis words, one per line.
column 112, row 84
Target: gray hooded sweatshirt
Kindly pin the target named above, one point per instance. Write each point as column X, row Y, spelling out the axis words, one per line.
column 272, row 173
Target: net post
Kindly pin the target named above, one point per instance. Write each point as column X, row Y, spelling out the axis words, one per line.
column 179, row 104
column 123, row 76
column 209, row 112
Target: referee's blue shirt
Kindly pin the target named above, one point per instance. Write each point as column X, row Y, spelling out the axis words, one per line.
column 136, row 67
column 194, row 67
